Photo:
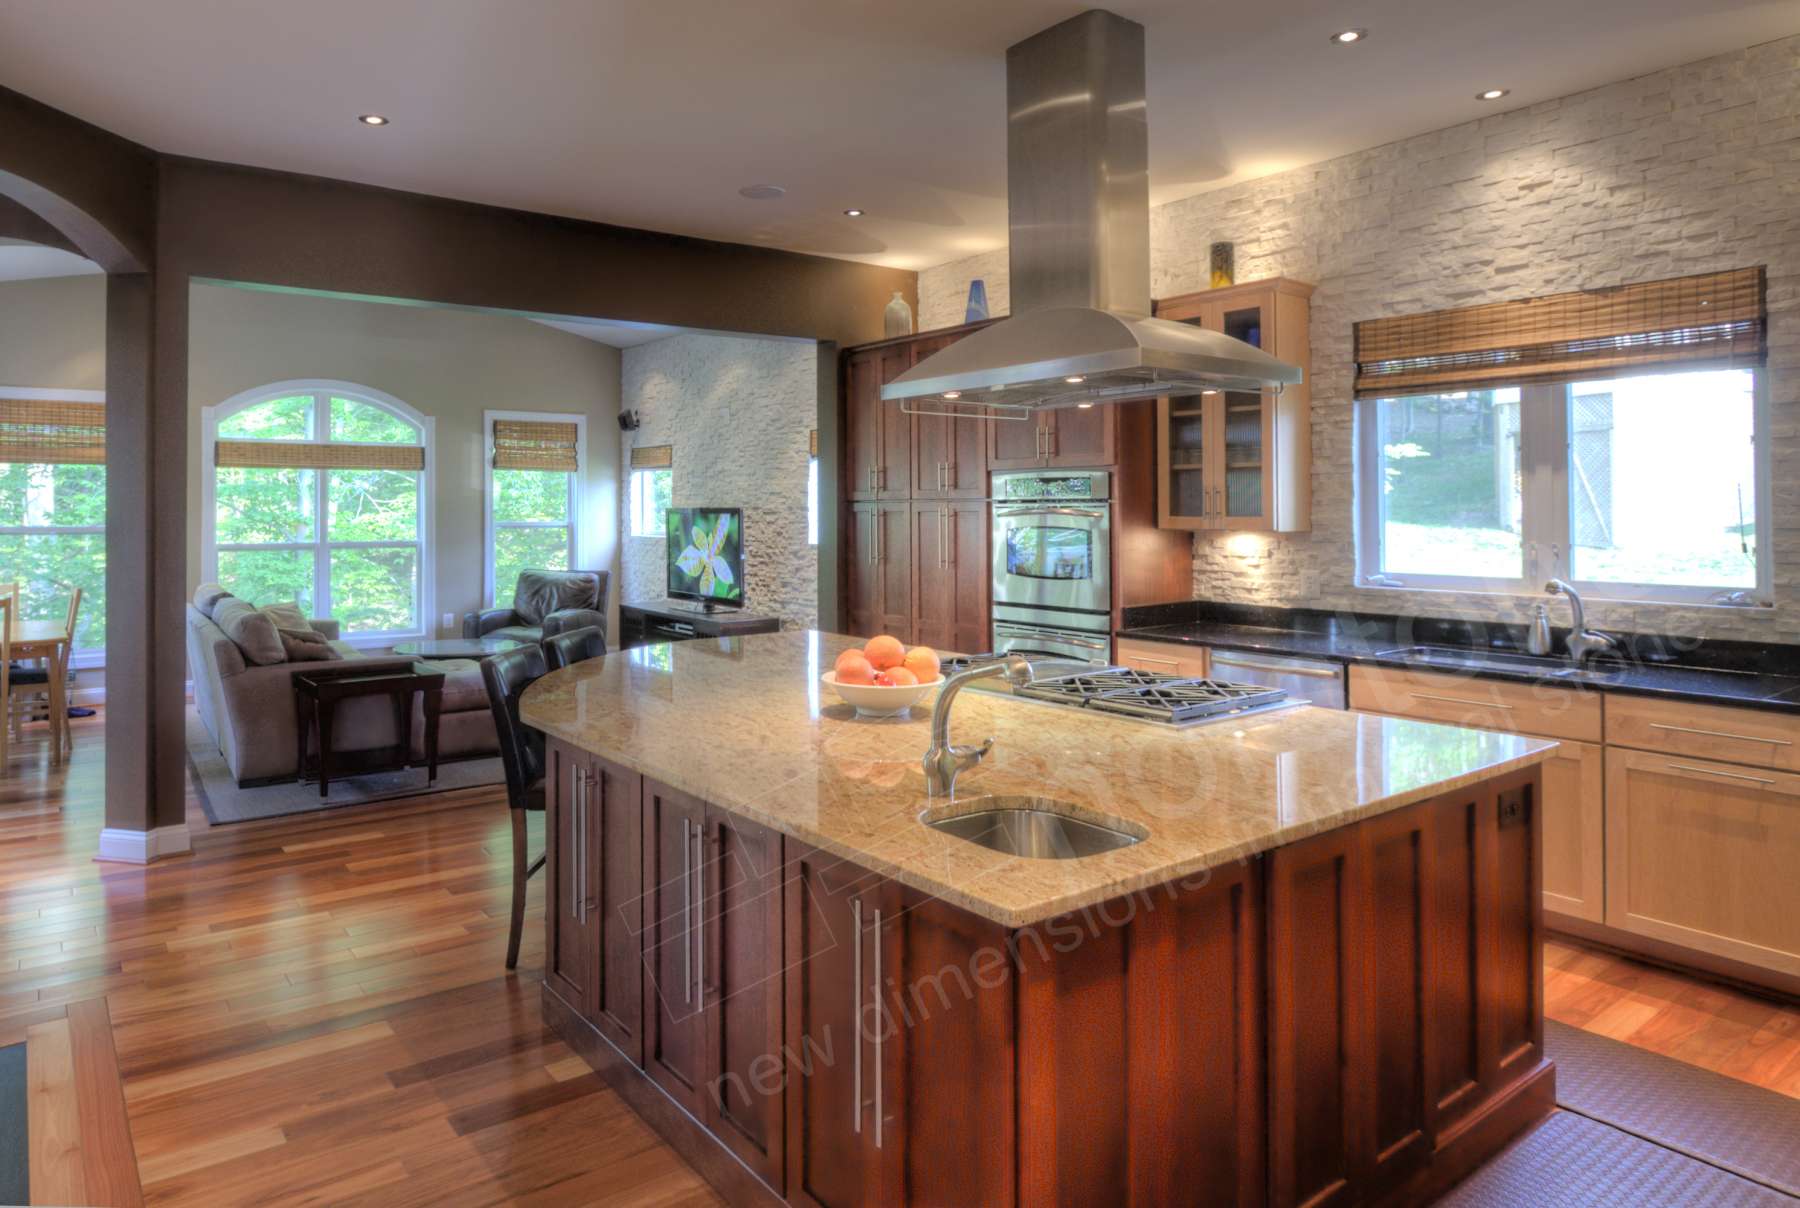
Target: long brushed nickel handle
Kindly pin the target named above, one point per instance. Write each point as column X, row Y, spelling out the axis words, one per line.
column 699, row 918
column 1682, row 767
column 1457, row 700
column 687, row 910
column 1774, row 742
column 581, row 847
column 1279, row 669
column 878, row 1112
column 856, row 1014
column 574, row 846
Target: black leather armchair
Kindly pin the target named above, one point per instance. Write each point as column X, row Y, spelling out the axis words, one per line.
column 540, row 598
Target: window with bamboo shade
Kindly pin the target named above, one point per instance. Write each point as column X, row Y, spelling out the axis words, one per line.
column 521, row 444
column 1707, row 321
column 52, row 432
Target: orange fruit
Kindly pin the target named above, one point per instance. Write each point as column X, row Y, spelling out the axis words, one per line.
column 884, row 651
column 853, row 668
column 922, row 661
column 901, row 677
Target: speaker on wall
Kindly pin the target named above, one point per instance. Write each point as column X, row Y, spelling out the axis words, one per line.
column 628, row 421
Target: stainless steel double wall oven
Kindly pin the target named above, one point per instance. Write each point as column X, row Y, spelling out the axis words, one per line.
column 1052, row 553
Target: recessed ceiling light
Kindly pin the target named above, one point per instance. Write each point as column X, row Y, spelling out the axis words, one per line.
column 762, row 192
column 371, row 119
column 1075, row 381
column 853, row 212
column 1345, row 37
column 1492, row 94
column 1083, row 406
column 953, row 394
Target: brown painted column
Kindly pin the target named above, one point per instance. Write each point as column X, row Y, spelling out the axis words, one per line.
column 146, row 552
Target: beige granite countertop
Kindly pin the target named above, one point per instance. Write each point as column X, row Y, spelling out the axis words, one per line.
column 746, row 724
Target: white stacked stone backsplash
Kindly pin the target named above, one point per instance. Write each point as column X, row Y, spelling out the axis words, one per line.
column 1688, row 170
column 739, row 412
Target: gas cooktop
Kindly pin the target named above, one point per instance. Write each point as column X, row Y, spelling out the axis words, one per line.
column 1154, row 695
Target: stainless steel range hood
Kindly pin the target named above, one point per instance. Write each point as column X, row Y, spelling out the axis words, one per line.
column 1079, row 216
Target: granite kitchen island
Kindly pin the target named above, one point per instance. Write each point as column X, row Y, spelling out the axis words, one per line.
column 1313, row 978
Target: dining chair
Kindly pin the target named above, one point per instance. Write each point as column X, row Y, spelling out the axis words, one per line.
column 32, row 684
column 574, row 646
column 507, row 675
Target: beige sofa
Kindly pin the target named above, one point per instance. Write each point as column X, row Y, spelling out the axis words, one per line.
column 249, row 710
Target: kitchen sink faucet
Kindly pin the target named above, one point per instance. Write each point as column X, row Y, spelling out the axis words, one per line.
column 944, row 760
column 1582, row 642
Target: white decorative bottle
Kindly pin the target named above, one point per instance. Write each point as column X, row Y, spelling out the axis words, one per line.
column 898, row 316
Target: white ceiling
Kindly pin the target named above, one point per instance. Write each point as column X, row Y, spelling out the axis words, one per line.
column 654, row 114
column 21, row 261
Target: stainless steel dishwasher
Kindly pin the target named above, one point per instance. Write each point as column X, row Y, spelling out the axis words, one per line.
column 1312, row 680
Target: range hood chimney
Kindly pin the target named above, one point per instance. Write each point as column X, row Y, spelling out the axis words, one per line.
column 1078, row 190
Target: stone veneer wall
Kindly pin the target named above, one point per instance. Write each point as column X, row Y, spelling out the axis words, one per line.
column 1687, row 170
column 739, row 412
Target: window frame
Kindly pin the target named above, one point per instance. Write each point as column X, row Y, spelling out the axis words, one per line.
column 82, row 658
column 629, row 511
column 490, row 526
column 322, row 545
column 1544, row 508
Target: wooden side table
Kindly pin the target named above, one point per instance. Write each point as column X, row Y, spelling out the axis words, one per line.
column 317, row 695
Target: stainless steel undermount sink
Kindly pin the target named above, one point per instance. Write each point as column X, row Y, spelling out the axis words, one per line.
column 1459, row 656
column 1034, row 827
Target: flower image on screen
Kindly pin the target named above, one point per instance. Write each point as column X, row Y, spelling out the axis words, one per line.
column 706, row 554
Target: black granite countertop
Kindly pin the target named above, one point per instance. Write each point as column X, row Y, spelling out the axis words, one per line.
column 1746, row 674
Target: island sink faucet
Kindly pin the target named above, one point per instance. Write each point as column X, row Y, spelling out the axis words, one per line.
column 1582, row 642
column 944, row 761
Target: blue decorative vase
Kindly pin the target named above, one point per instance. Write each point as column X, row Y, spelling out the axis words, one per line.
column 977, row 310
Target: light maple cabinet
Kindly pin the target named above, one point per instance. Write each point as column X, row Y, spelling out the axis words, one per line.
column 1705, row 855
column 1573, row 811
column 1166, row 657
column 1240, row 459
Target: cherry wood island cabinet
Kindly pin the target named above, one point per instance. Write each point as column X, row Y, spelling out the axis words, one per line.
column 1352, row 1018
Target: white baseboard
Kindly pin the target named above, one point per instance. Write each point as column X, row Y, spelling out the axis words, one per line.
column 141, row 847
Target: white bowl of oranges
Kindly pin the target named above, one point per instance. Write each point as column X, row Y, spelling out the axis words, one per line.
column 883, row 678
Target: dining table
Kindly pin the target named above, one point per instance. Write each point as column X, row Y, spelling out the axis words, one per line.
column 47, row 640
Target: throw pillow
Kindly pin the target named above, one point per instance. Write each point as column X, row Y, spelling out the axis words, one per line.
column 302, row 643
column 253, row 632
column 207, row 597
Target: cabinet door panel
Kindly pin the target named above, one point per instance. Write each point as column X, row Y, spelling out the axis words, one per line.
column 674, row 833
column 862, row 425
column 742, row 945
column 1574, row 806
column 568, row 935
column 827, row 988
column 1083, row 437
column 894, row 478
column 616, row 987
column 1016, row 444
column 1704, row 854
column 861, row 571
column 1167, row 657
column 893, row 566
column 971, row 585
column 934, row 575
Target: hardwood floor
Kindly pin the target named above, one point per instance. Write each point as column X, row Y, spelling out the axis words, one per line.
column 1703, row 1023
column 311, row 1009
column 314, row 1009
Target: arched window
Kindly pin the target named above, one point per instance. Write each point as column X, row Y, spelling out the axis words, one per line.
column 320, row 492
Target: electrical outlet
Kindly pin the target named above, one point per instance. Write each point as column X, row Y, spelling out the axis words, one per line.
column 1512, row 808
column 449, row 620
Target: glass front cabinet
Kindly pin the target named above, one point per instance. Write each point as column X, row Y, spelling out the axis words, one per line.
column 1240, row 460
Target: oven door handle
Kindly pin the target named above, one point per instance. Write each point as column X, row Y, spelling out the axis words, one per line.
column 1005, row 513
column 1004, row 628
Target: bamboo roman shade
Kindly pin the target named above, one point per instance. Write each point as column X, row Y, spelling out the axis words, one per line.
column 812, row 443
column 299, row 454
column 529, row 444
column 48, row 430
column 1709, row 321
column 653, row 457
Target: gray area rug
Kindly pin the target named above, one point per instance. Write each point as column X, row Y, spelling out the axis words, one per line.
column 1570, row 1161
column 1730, row 1124
column 224, row 802
column 15, row 1153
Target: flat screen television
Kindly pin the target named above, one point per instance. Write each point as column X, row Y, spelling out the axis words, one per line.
column 706, row 555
